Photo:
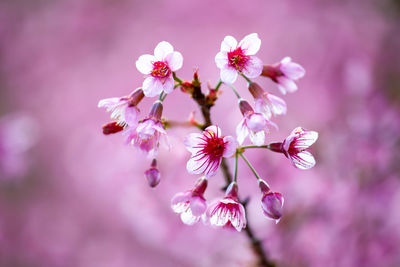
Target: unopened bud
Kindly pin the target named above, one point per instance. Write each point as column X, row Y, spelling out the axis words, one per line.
column 111, row 128
column 153, row 174
column 245, row 107
column 135, row 97
column 200, row 186
column 256, row 90
column 156, row 110
column 272, row 204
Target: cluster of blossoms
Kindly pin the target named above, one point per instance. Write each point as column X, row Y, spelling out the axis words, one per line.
column 209, row 147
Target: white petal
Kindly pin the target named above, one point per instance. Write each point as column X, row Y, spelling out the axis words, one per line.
column 278, row 105
column 175, row 61
column 261, row 106
column 214, row 129
column 292, row 70
column 241, row 132
column 250, row 44
column 108, row 103
column 230, row 146
column 253, row 68
column 168, row 85
column 228, row 75
column 303, row 160
column 194, row 166
column 229, row 43
column 179, row 202
column 152, row 87
column 144, row 64
column 257, row 138
column 162, row 50
column 221, row 60
column 188, row 218
column 192, row 140
column 287, row 83
column 305, row 140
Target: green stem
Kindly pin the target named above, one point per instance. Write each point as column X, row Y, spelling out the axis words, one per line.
column 247, row 79
column 245, row 147
column 218, row 85
column 176, row 78
column 236, row 166
column 234, row 90
column 250, row 166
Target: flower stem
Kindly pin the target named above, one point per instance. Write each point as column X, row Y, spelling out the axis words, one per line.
column 250, row 166
column 245, row 77
column 235, row 91
column 179, row 81
column 236, row 167
column 245, row 147
column 218, row 85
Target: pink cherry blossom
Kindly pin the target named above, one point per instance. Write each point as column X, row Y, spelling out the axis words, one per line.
column 191, row 205
column 267, row 103
column 253, row 124
column 237, row 58
column 271, row 202
column 295, row 147
column 285, row 74
column 123, row 109
column 228, row 211
column 159, row 68
column 149, row 132
column 207, row 150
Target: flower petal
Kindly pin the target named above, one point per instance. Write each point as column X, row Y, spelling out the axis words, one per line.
column 108, row 103
column 221, row 60
column 230, row 146
column 178, row 202
column 228, row 44
column 175, row 60
column 256, row 122
column 131, row 116
column 196, row 166
column 253, row 68
column 292, row 70
column 144, row 64
column 277, row 104
column 228, row 75
column 162, row 50
column 188, row 218
column 303, row 160
column 214, row 129
column 198, row 206
column 257, row 138
column 191, row 141
column 168, row 85
column 287, row 83
column 241, row 132
column 250, row 44
column 152, row 87
column 305, row 140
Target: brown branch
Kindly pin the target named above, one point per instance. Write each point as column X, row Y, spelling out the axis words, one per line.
column 205, row 104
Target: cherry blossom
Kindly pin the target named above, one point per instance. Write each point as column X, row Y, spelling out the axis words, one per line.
column 253, row 124
column 123, row 109
column 191, row 205
column 228, row 212
column 159, row 69
column 207, row 150
column 285, row 74
column 267, row 103
column 237, row 58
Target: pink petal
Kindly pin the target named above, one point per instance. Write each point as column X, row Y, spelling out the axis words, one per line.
column 228, row 75
column 305, row 140
column 230, row 146
column 192, row 140
column 278, row 105
column 152, row 87
column 253, row 68
column 228, row 44
column 131, row 116
column 194, row 166
column 292, row 70
column 250, row 44
column 256, row 122
column 178, row 204
column 108, row 103
column 198, row 206
column 162, row 50
column 145, row 63
column 286, row 60
column 287, row 84
column 257, row 138
column 303, row 160
column 221, row 60
column 175, row 61
column 241, row 132
column 214, row 129
column 168, row 85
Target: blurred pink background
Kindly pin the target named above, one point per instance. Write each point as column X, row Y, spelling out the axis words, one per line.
column 70, row 196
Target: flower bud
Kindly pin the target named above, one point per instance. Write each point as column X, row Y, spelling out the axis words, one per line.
column 256, row 90
column 272, row 204
column 245, row 107
column 153, row 174
column 112, row 127
column 135, row 97
column 156, row 110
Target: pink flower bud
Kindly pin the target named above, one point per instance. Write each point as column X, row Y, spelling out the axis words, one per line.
column 153, row 174
column 272, row 203
column 111, row 128
column 156, row 110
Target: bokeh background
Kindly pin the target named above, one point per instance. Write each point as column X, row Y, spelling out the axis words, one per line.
column 70, row 196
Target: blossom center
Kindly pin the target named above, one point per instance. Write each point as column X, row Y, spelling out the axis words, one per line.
column 238, row 59
column 214, row 147
column 160, row 69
